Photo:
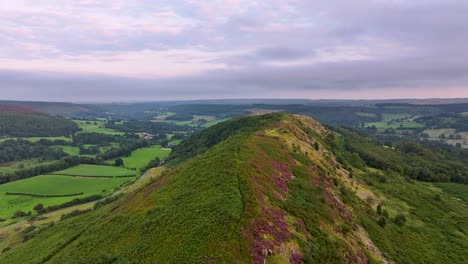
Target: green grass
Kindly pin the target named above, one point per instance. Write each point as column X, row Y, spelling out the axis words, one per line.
column 214, row 122
column 96, row 170
column 52, row 185
column 95, row 127
column 459, row 191
column 141, row 157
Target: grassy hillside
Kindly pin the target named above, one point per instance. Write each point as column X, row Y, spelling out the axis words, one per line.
column 263, row 188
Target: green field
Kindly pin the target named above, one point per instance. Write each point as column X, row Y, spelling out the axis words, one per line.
column 366, row 114
column 210, row 120
column 396, row 121
column 141, row 157
column 95, row 170
column 51, row 185
column 95, row 127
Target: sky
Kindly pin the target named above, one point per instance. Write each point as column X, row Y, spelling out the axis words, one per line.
column 149, row 50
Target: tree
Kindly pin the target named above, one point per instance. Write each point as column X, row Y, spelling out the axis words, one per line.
column 400, row 220
column 379, row 209
column 316, row 146
column 18, row 213
column 385, row 213
column 119, row 162
column 39, row 208
column 382, row 221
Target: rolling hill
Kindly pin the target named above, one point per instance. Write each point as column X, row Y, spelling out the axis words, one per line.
column 22, row 121
column 263, row 189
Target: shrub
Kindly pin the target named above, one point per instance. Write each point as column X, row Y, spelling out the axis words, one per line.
column 382, row 221
column 400, row 220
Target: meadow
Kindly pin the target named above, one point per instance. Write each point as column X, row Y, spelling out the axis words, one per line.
column 141, row 157
column 96, row 170
column 396, row 121
column 52, row 185
column 95, row 127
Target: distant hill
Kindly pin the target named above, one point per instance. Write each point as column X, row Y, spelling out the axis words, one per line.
column 22, row 121
column 52, row 108
column 275, row 188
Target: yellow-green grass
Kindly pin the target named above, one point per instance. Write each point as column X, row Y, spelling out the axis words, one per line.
column 141, row 157
column 366, row 114
column 164, row 115
column 96, row 170
column 35, row 139
column 52, row 185
column 214, row 122
column 95, row 127
column 12, row 233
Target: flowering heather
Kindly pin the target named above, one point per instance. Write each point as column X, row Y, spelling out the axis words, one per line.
column 333, row 200
column 295, row 258
column 281, row 179
column 273, row 226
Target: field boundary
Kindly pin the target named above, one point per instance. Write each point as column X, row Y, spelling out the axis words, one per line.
column 44, row 195
column 92, row 176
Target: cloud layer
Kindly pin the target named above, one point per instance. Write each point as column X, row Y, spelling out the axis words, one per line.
column 154, row 50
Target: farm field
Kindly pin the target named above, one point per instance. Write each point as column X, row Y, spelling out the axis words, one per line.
column 95, row 127
column 196, row 121
column 95, row 170
column 395, row 121
column 51, row 185
column 366, row 114
column 435, row 134
column 141, row 157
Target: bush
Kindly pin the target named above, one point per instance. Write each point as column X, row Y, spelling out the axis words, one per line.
column 20, row 213
column 400, row 220
column 382, row 221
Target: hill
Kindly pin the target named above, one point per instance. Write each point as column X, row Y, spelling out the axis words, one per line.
column 275, row 188
column 52, row 108
column 21, row 121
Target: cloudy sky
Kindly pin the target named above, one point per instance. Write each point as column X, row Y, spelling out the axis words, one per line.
column 118, row 50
